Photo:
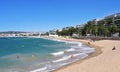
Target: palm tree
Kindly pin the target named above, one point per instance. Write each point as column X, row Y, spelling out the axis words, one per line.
column 102, row 30
column 113, row 29
column 94, row 30
column 72, row 30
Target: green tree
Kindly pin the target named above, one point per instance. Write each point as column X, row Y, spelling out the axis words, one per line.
column 64, row 32
column 72, row 30
column 102, row 30
column 95, row 30
column 108, row 21
column 88, row 28
column 113, row 29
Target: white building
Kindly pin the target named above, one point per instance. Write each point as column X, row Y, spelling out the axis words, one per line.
column 53, row 33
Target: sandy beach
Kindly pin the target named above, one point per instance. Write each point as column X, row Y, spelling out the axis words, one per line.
column 104, row 59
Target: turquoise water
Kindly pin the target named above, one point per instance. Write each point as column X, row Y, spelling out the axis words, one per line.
column 27, row 45
column 29, row 54
column 25, row 48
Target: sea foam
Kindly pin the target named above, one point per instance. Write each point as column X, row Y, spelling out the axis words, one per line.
column 58, row 53
column 62, row 59
column 39, row 70
column 69, row 50
column 88, row 50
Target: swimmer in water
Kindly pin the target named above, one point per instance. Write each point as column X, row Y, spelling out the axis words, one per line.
column 72, row 56
column 17, row 57
column 33, row 56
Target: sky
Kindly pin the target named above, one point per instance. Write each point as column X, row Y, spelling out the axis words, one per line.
column 45, row 15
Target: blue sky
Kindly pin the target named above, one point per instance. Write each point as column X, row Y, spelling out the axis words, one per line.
column 44, row 15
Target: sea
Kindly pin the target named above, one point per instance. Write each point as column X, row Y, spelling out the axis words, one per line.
column 26, row 54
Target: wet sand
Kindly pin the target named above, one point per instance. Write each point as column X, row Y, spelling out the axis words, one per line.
column 104, row 59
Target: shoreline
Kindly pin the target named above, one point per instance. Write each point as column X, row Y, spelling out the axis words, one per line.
column 104, row 59
column 97, row 52
column 85, row 42
column 63, row 40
